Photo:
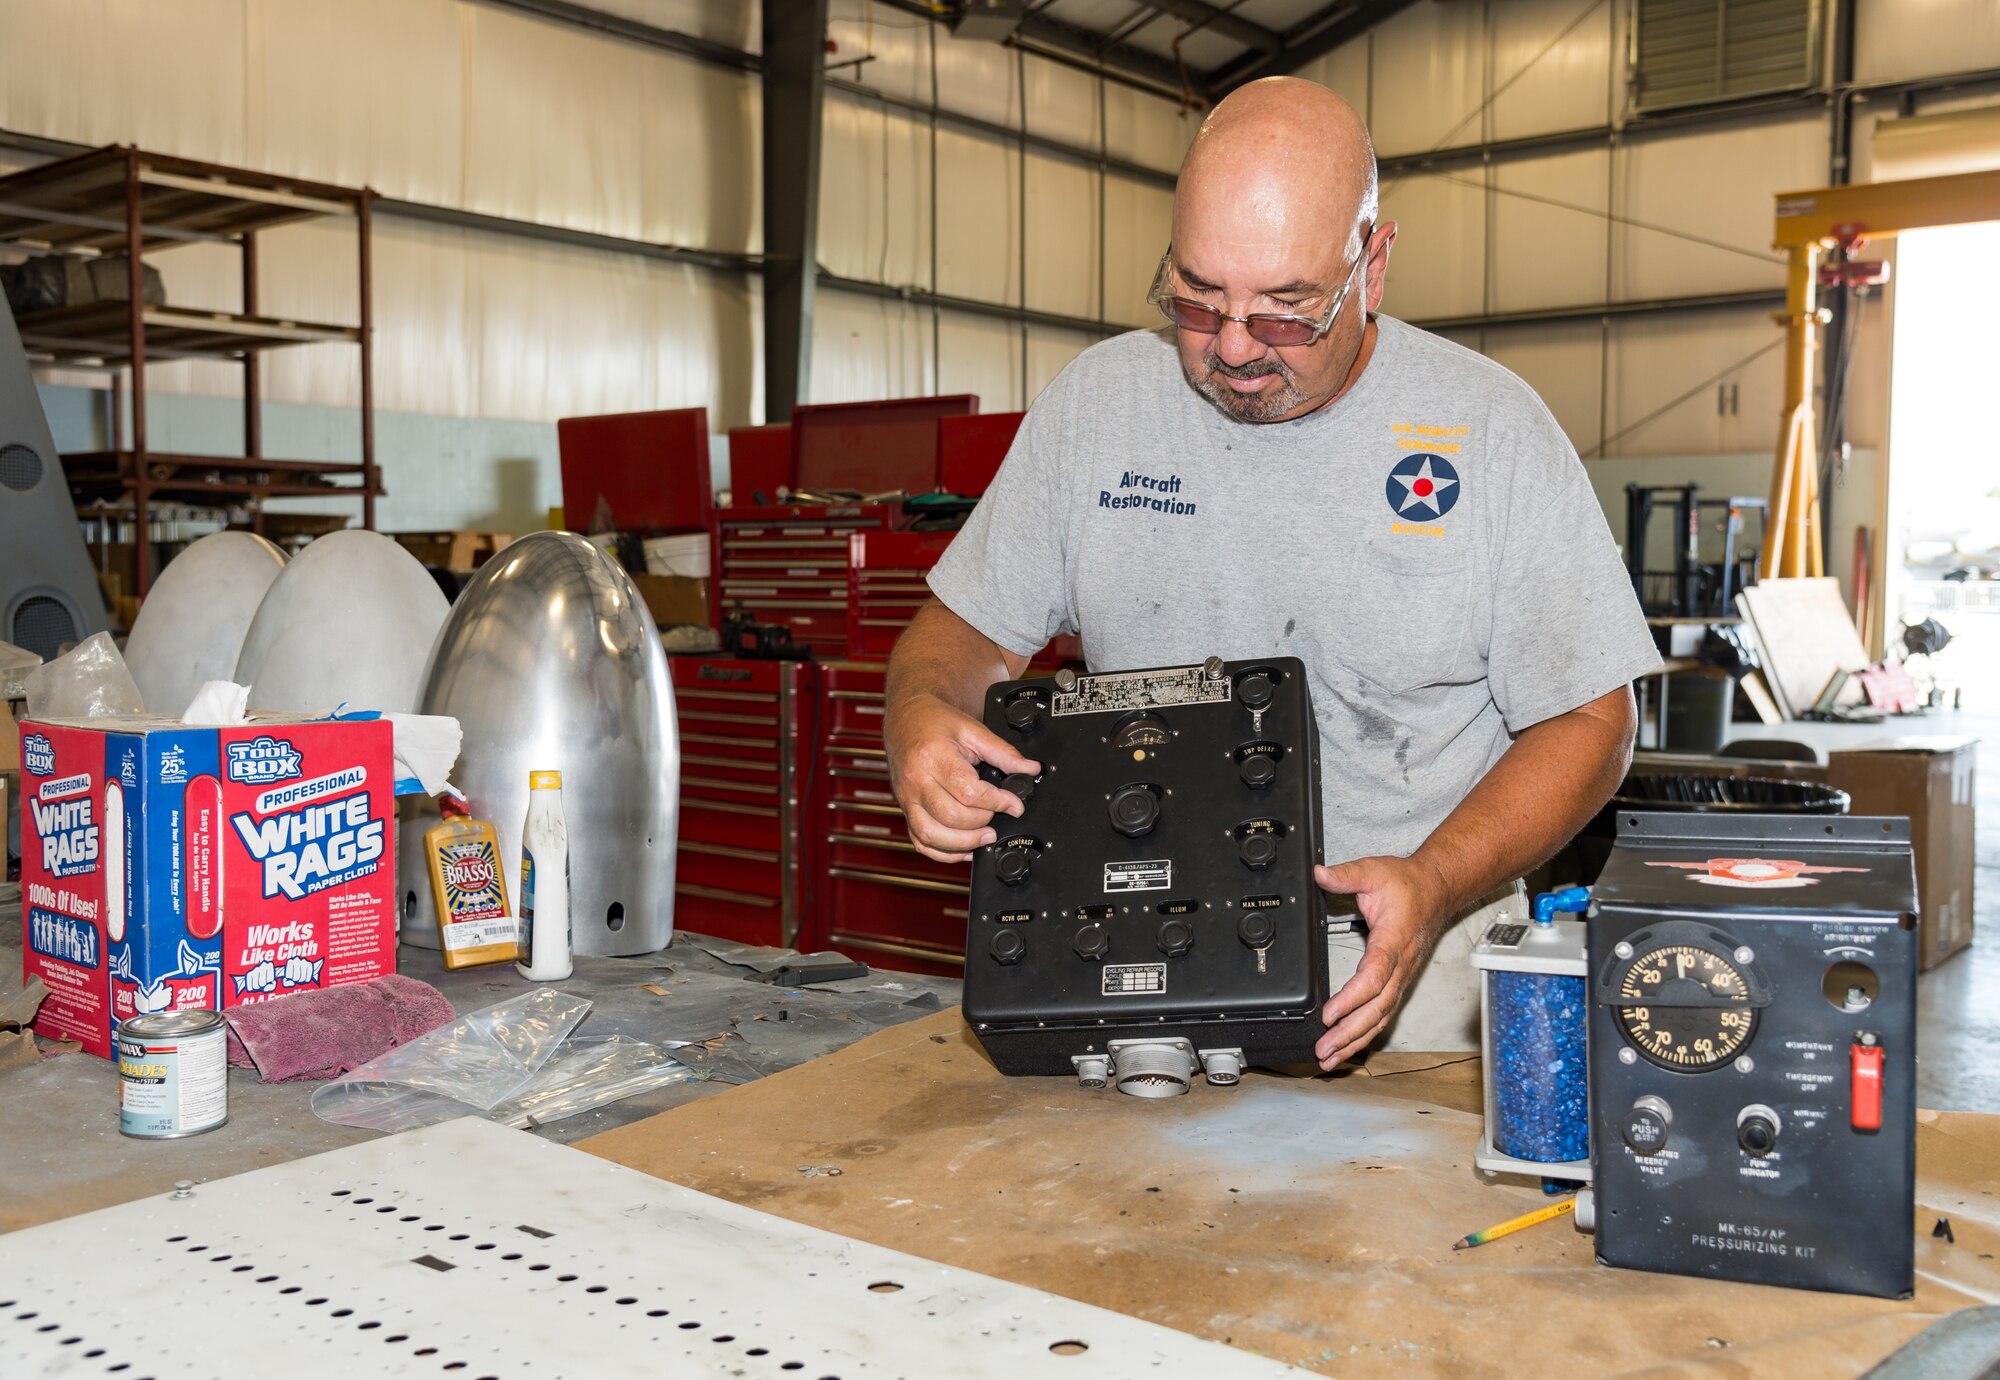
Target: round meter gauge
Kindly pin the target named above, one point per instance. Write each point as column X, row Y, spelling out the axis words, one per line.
column 1142, row 731
column 1685, row 1006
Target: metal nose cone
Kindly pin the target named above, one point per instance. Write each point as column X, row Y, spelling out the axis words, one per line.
column 550, row 661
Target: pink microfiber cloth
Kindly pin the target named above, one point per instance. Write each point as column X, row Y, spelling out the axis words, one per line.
column 321, row 1035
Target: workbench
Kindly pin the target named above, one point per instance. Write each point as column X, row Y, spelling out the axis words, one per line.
column 1307, row 1218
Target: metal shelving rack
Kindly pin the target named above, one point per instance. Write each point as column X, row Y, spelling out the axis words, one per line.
column 121, row 199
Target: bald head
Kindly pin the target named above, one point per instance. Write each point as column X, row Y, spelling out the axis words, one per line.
column 1279, row 161
column 1274, row 217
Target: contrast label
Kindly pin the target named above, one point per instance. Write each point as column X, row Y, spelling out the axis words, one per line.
column 1141, row 690
column 1134, row 979
column 1153, row 875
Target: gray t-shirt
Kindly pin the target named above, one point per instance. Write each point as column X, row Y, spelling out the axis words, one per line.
column 1428, row 546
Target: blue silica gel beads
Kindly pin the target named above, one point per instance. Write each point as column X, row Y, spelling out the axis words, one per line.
column 1541, row 1093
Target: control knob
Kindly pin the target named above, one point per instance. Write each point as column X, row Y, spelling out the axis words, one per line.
column 1021, row 785
column 1259, row 770
column 1176, row 938
column 1134, row 811
column 1023, row 714
column 1258, row 851
column 1092, row 941
column 1014, row 864
column 1256, row 691
column 1257, row 928
column 1008, row 946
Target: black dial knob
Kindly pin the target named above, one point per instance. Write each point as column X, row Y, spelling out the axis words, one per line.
column 1258, row 851
column 1014, row 864
column 1134, row 811
column 1259, row 771
column 1008, row 946
column 1176, row 938
column 1644, row 1128
column 1092, row 941
column 1023, row 714
column 1257, row 928
column 1023, row 786
column 1256, row 691
column 1757, row 1130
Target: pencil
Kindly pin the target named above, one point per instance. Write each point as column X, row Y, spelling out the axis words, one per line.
column 1512, row 1225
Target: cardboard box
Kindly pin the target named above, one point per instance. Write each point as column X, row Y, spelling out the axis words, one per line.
column 674, row 599
column 1930, row 780
column 167, row 866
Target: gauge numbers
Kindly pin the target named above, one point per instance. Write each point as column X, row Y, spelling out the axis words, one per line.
column 1685, row 1007
column 1142, row 731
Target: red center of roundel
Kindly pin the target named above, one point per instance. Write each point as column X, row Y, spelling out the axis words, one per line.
column 1423, row 488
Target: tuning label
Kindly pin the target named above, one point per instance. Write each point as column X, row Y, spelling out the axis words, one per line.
column 1153, row 875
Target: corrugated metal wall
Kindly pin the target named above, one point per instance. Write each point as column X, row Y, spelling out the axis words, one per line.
column 467, row 105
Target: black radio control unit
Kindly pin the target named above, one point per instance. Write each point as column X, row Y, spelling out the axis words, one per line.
column 1152, row 913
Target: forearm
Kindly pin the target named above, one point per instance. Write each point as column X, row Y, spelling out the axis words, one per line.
column 942, row 656
column 1546, row 787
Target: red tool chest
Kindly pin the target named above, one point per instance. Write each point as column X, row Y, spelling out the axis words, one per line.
column 749, row 739
column 648, row 469
column 760, row 461
column 881, row 899
column 886, row 586
column 970, row 450
column 872, row 447
column 789, row 566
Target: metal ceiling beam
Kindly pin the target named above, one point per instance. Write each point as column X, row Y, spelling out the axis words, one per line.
column 1221, row 23
column 653, row 36
column 1066, row 37
column 1312, row 37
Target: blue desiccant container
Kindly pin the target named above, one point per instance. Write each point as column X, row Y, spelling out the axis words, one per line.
column 1539, row 1078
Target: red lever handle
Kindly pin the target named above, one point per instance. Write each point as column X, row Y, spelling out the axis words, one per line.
column 1865, row 1062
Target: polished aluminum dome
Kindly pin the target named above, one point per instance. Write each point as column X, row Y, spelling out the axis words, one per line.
column 550, row 661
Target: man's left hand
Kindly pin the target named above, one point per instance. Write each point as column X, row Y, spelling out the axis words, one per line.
column 1404, row 901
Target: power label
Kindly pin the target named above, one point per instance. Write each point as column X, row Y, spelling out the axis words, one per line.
column 1152, row 875
column 1134, row 979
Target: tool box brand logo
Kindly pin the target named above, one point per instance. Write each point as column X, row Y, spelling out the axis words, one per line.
column 66, row 824
column 316, row 846
column 38, row 755
column 263, row 760
column 62, row 937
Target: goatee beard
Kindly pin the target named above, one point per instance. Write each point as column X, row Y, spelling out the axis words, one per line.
column 1261, row 406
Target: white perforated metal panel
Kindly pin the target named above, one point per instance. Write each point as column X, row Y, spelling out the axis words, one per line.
column 469, row 1250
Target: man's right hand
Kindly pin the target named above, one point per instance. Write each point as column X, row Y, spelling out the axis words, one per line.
column 934, row 755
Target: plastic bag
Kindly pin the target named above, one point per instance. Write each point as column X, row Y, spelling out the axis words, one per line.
column 507, row 1062
column 90, row 682
column 16, row 665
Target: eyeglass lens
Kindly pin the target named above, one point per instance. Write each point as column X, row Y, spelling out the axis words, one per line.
column 1265, row 330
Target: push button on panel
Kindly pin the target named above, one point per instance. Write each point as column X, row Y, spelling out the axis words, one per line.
column 1757, row 1129
column 1644, row 1127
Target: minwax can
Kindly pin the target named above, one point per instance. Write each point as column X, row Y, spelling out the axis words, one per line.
column 173, row 1074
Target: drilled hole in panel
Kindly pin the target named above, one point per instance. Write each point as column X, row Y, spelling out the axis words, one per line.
column 885, row 1286
column 1069, row 1348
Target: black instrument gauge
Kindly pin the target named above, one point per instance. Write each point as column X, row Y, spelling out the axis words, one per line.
column 1139, row 733
column 1690, row 1006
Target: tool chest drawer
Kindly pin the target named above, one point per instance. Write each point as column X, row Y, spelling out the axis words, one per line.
column 748, row 734
column 789, row 566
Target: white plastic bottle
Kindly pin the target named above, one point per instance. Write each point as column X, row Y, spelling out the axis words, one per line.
column 545, row 936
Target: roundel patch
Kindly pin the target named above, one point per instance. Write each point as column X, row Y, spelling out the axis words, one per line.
column 1423, row 486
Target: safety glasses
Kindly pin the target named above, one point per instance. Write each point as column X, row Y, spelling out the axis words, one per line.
column 1266, row 328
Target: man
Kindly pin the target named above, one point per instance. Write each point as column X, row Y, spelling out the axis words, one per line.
column 1284, row 472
